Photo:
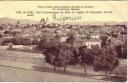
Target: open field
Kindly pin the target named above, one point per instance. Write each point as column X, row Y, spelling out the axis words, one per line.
column 45, row 71
column 14, row 75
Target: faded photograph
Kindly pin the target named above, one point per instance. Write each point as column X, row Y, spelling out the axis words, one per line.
column 46, row 51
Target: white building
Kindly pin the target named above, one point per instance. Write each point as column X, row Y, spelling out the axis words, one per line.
column 90, row 43
column 95, row 36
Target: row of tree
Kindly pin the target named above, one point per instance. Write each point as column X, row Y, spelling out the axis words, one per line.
column 64, row 54
column 105, row 58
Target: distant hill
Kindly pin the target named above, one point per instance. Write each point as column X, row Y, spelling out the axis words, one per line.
column 102, row 23
column 14, row 21
column 26, row 21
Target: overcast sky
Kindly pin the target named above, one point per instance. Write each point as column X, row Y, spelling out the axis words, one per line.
column 119, row 9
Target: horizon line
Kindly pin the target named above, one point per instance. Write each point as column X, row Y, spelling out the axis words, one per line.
column 61, row 22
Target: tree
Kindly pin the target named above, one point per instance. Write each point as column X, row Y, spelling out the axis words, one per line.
column 104, row 38
column 43, row 43
column 104, row 41
column 107, row 61
column 61, row 55
column 71, row 40
column 68, row 55
column 1, row 36
column 88, row 36
column 52, row 56
column 118, row 50
column 95, row 51
column 124, row 49
column 85, row 56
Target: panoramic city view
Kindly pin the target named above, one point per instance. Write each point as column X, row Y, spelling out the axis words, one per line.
column 45, row 51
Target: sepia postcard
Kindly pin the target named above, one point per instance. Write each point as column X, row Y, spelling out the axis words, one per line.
column 63, row 41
